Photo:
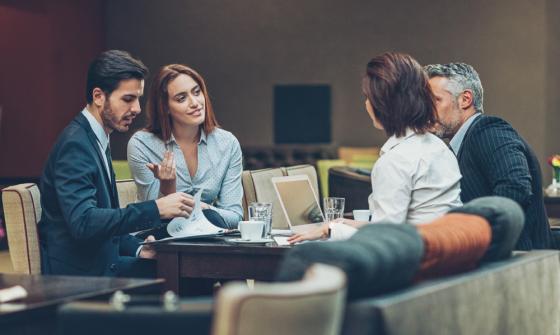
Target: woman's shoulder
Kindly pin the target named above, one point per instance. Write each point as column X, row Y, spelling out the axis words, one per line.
column 143, row 135
column 223, row 137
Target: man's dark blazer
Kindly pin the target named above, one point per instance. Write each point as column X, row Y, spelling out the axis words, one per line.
column 495, row 160
column 82, row 230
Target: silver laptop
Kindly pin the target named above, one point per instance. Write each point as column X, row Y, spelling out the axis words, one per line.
column 299, row 203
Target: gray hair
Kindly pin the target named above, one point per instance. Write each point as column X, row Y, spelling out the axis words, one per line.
column 461, row 77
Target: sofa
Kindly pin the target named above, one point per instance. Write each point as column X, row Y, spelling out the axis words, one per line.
column 519, row 295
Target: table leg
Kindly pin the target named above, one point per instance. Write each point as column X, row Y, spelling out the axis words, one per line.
column 168, row 269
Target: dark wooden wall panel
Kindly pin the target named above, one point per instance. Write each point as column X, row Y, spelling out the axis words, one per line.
column 45, row 47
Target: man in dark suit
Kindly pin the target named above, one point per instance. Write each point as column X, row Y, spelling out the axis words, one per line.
column 493, row 158
column 82, row 229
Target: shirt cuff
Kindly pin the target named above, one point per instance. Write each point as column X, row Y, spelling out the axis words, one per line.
column 138, row 251
column 341, row 231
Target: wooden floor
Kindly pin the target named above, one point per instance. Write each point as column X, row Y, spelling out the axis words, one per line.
column 5, row 262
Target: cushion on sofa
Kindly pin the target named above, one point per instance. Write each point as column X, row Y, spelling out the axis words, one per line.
column 453, row 243
column 379, row 258
column 506, row 220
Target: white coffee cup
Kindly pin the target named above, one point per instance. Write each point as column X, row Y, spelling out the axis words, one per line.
column 251, row 230
column 361, row 214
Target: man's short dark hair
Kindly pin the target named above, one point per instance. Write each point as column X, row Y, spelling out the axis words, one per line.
column 109, row 68
column 397, row 88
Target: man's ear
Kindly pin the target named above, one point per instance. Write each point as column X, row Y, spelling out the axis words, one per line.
column 98, row 97
column 466, row 99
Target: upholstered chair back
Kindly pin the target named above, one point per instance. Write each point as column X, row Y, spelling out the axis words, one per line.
column 22, row 211
column 257, row 186
column 312, row 306
column 127, row 191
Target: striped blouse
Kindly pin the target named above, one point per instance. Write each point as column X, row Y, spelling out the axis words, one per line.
column 218, row 173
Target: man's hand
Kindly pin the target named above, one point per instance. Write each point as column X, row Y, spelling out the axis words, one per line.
column 174, row 205
column 147, row 250
column 166, row 172
column 315, row 233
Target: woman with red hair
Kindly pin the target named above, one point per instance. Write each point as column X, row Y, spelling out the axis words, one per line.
column 183, row 149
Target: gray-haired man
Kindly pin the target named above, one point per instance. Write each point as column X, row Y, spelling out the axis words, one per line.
column 493, row 158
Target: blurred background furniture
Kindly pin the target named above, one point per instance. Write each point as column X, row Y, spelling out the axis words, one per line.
column 261, row 157
column 352, row 184
column 363, row 157
column 22, row 210
column 313, row 306
column 122, row 170
column 320, row 155
column 323, row 167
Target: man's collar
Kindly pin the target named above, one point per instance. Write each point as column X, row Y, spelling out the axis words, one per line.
column 393, row 141
column 97, row 128
column 457, row 140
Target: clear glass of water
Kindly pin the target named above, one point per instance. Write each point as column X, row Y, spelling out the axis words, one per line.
column 333, row 208
column 262, row 211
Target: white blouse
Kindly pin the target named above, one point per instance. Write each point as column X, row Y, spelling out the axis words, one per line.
column 415, row 180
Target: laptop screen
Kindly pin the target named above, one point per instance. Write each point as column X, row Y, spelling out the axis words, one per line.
column 299, row 200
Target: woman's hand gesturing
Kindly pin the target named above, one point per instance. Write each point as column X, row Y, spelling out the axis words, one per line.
column 166, row 172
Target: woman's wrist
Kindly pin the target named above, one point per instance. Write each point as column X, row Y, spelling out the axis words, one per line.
column 326, row 231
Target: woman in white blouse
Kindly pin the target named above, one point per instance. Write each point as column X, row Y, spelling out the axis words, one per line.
column 183, row 149
column 416, row 178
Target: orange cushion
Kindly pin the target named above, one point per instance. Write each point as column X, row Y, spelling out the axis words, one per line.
column 453, row 243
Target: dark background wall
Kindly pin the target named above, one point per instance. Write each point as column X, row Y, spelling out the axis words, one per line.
column 552, row 83
column 45, row 47
column 243, row 48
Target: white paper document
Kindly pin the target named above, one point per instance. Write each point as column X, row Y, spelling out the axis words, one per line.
column 12, row 293
column 195, row 225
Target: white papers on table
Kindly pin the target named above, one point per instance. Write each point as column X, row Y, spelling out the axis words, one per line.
column 195, row 225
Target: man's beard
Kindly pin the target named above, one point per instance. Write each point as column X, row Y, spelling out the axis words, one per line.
column 443, row 131
column 110, row 120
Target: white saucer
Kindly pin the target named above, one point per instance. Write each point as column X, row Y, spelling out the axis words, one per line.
column 242, row 241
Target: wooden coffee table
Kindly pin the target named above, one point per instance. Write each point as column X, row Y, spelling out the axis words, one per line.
column 177, row 262
column 37, row 312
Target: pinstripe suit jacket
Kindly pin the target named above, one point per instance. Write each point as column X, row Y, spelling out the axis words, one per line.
column 495, row 160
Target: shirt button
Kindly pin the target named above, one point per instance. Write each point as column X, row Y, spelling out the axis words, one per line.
column 113, row 267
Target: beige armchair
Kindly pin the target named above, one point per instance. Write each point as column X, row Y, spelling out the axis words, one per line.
column 257, row 186
column 127, row 191
column 22, row 211
column 314, row 305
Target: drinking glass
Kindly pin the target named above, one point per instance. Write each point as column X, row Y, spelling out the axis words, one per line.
column 262, row 211
column 334, row 208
